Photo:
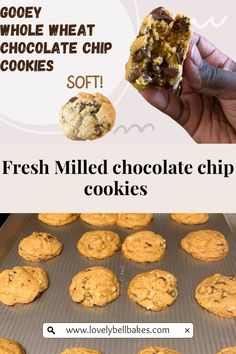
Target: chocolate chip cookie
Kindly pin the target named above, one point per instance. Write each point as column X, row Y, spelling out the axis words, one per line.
column 95, row 286
column 21, row 285
column 157, row 54
column 99, row 244
column 100, row 219
column 205, row 245
column 9, row 346
column 217, row 294
column 144, row 246
column 155, row 290
column 190, row 218
column 228, row 350
column 81, row 350
column 157, row 350
column 134, row 220
column 39, row 246
column 87, row 116
column 58, row 219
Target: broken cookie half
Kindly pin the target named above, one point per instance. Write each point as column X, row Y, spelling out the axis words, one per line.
column 158, row 53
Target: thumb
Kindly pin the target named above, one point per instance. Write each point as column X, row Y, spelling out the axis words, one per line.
column 208, row 79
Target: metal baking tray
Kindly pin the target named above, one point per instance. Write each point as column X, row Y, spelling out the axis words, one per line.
column 24, row 322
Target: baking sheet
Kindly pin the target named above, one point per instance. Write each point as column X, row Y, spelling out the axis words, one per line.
column 24, row 322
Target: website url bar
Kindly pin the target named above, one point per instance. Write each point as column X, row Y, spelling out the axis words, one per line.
column 118, row 330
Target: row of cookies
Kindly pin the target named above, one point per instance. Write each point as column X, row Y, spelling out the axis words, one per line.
column 12, row 347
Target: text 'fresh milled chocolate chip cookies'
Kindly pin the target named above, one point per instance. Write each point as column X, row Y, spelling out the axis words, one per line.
column 158, row 53
column 157, row 350
column 87, row 116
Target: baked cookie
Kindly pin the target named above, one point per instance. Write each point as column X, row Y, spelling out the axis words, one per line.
column 155, row 290
column 9, row 346
column 39, row 246
column 144, row 246
column 217, row 294
column 157, row 54
column 228, row 350
column 57, row 219
column 87, row 116
column 21, row 285
column 81, row 350
column 206, row 245
column 99, row 244
column 95, row 286
column 190, row 218
column 134, row 220
column 100, row 219
column 157, row 350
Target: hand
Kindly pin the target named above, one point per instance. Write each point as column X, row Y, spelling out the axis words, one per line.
column 206, row 107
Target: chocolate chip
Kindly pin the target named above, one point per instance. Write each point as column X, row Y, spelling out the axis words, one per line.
column 180, row 56
column 148, row 79
column 140, row 54
column 72, row 99
column 161, row 14
column 81, row 107
column 170, row 72
column 148, row 244
column 97, row 130
column 181, row 24
column 135, row 74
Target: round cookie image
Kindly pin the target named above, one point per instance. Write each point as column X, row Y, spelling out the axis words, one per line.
column 81, row 350
column 95, row 286
column 134, row 220
column 57, row 219
column 217, row 294
column 144, row 246
column 99, row 219
column 87, row 116
column 39, row 246
column 99, row 244
column 190, row 219
column 9, row 346
column 205, row 245
column 21, row 285
column 157, row 350
column 155, row 290
column 227, row 350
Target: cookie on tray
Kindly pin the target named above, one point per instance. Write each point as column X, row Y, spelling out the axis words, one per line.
column 87, row 116
column 227, row 350
column 217, row 294
column 206, row 245
column 155, row 290
column 157, row 54
column 9, row 346
column 22, row 285
column 57, row 219
column 95, row 286
column 144, row 246
column 190, row 218
column 134, row 220
column 81, row 350
column 157, row 350
column 99, row 219
column 39, row 246
column 99, row 244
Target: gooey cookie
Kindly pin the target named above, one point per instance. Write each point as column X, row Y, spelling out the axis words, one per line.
column 190, row 218
column 144, row 246
column 158, row 53
column 134, row 220
column 228, row 350
column 87, row 116
column 99, row 219
column 57, row 219
column 95, row 286
column 157, row 350
column 217, row 294
column 9, row 346
column 39, row 246
column 21, row 285
column 155, row 290
column 81, row 350
column 99, row 244
column 206, row 245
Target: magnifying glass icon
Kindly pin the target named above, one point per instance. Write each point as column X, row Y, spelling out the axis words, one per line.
column 50, row 330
